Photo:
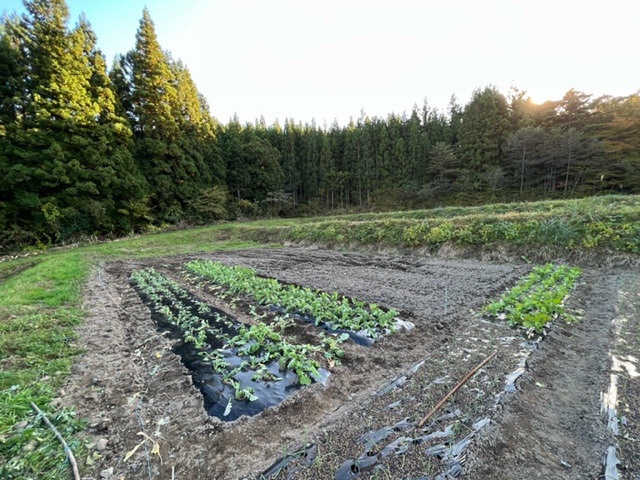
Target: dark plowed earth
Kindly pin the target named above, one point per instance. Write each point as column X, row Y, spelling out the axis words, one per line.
column 362, row 423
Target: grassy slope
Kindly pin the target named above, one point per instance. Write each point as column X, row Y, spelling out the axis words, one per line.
column 40, row 295
column 611, row 222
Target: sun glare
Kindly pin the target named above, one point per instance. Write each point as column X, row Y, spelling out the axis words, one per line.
column 540, row 97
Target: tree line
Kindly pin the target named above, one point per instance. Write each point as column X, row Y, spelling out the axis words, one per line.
column 89, row 151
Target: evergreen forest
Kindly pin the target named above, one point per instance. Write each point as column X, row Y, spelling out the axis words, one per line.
column 91, row 149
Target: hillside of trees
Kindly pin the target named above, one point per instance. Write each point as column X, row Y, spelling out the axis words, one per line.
column 86, row 150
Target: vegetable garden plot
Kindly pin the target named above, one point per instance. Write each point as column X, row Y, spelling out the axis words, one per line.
column 129, row 381
column 331, row 311
column 240, row 369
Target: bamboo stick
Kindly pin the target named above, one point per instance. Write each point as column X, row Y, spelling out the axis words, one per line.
column 72, row 459
column 454, row 390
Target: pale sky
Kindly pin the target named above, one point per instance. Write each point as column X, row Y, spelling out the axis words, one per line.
column 329, row 59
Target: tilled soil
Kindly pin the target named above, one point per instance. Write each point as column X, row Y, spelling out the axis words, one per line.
column 363, row 422
column 553, row 427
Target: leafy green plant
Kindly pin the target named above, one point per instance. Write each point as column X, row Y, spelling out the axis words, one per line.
column 260, row 343
column 264, row 343
column 536, row 298
column 338, row 311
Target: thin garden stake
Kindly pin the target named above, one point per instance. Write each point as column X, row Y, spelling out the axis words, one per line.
column 454, row 390
column 72, row 459
column 446, row 301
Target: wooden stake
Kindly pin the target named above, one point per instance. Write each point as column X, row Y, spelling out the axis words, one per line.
column 454, row 390
column 72, row 459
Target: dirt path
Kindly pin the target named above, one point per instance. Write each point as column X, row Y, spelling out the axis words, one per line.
column 625, row 375
column 362, row 423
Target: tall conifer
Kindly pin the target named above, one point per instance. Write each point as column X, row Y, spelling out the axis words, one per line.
column 60, row 151
column 175, row 143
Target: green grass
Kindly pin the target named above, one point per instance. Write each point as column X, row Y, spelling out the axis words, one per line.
column 593, row 205
column 15, row 266
column 178, row 242
column 40, row 294
column 39, row 309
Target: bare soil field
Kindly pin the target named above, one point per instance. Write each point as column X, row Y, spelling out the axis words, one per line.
column 534, row 410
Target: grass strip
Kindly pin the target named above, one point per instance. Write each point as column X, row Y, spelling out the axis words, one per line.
column 39, row 308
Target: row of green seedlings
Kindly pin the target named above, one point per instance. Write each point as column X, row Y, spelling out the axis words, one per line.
column 261, row 343
column 336, row 310
column 537, row 298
